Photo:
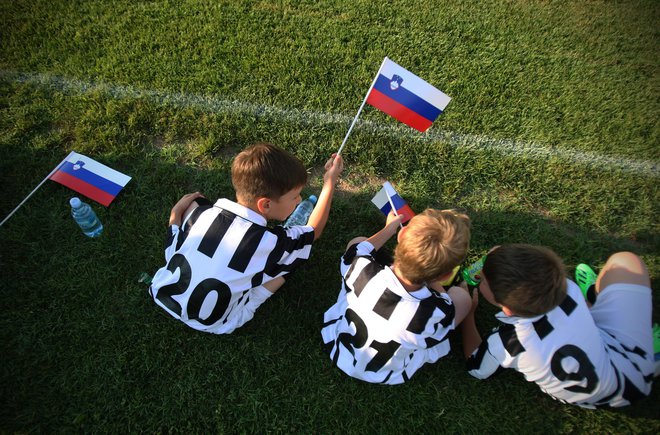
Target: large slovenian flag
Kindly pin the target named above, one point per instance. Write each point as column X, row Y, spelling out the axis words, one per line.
column 382, row 202
column 406, row 97
column 90, row 178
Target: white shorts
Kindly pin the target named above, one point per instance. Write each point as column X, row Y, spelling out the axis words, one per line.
column 624, row 311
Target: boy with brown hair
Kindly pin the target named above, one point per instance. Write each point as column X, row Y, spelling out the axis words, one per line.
column 389, row 320
column 591, row 356
column 223, row 261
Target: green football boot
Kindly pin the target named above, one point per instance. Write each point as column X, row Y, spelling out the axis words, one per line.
column 585, row 277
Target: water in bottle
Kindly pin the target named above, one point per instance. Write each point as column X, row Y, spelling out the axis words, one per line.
column 301, row 214
column 472, row 272
column 86, row 218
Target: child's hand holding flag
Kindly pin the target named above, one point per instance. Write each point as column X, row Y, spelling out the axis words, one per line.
column 388, row 197
column 404, row 96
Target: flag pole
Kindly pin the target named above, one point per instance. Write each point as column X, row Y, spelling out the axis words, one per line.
column 361, row 107
column 389, row 199
column 34, row 190
column 393, row 209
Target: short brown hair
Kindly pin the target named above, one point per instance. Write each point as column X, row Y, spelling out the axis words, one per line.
column 434, row 243
column 264, row 170
column 529, row 280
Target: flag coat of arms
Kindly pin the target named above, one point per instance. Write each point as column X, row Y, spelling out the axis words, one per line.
column 406, row 97
column 382, row 202
column 90, row 178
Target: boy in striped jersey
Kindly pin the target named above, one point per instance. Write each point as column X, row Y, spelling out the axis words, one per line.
column 223, row 261
column 390, row 320
column 591, row 356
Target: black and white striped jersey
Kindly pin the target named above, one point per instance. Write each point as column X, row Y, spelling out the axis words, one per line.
column 377, row 331
column 215, row 258
column 567, row 355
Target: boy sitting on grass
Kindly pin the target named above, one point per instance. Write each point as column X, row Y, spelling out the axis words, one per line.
column 223, row 261
column 390, row 320
column 591, row 357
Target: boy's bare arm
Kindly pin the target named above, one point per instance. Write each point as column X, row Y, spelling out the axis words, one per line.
column 179, row 209
column 386, row 233
column 469, row 333
column 319, row 216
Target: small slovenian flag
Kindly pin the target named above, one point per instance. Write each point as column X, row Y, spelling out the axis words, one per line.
column 90, row 178
column 406, row 97
column 383, row 203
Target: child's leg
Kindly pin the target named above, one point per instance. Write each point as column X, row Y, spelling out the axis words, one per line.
column 623, row 267
column 623, row 307
column 193, row 205
column 462, row 303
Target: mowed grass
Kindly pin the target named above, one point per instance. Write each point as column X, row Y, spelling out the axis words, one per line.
column 169, row 92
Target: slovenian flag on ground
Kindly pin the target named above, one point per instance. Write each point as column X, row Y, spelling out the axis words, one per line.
column 382, row 202
column 406, row 97
column 90, row 178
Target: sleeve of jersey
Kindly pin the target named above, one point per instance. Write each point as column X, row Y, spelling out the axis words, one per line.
column 433, row 320
column 483, row 363
column 170, row 241
column 357, row 250
column 293, row 247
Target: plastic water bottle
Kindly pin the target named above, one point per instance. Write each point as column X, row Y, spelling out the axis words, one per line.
column 472, row 272
column 145, row 278
column 86, row 218
column 301, row 214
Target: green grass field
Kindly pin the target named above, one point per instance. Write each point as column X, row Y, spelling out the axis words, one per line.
column 551, row 137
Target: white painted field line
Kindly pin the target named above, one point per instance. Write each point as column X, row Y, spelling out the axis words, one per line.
column 510, row 147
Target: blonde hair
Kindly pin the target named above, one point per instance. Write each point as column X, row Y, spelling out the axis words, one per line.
column 434, row 242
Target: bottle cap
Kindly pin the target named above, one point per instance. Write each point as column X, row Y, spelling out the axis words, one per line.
column 75, row 202
column 313, row 198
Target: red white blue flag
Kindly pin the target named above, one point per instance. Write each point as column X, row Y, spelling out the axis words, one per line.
column 382, row 201
column 90, row 178
column 406, row 97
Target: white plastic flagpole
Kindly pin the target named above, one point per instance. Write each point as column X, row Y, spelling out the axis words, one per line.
column 389, row 199
column 361, row 106
column 35, row 189
column 393, row 209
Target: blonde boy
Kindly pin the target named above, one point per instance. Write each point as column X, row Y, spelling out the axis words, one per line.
column 389, row 321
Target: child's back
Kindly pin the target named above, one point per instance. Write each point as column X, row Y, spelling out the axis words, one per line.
column 385, row 325
column 219, row 256
column 586, row 356
column 223, row 261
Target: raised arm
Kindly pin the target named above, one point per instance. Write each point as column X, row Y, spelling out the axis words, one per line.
column 469, row 333
column 386, row 233
column 319, row 216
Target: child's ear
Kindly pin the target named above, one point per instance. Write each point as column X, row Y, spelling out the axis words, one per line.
column 399, row 235
column 507, row 311
column 263, row 205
